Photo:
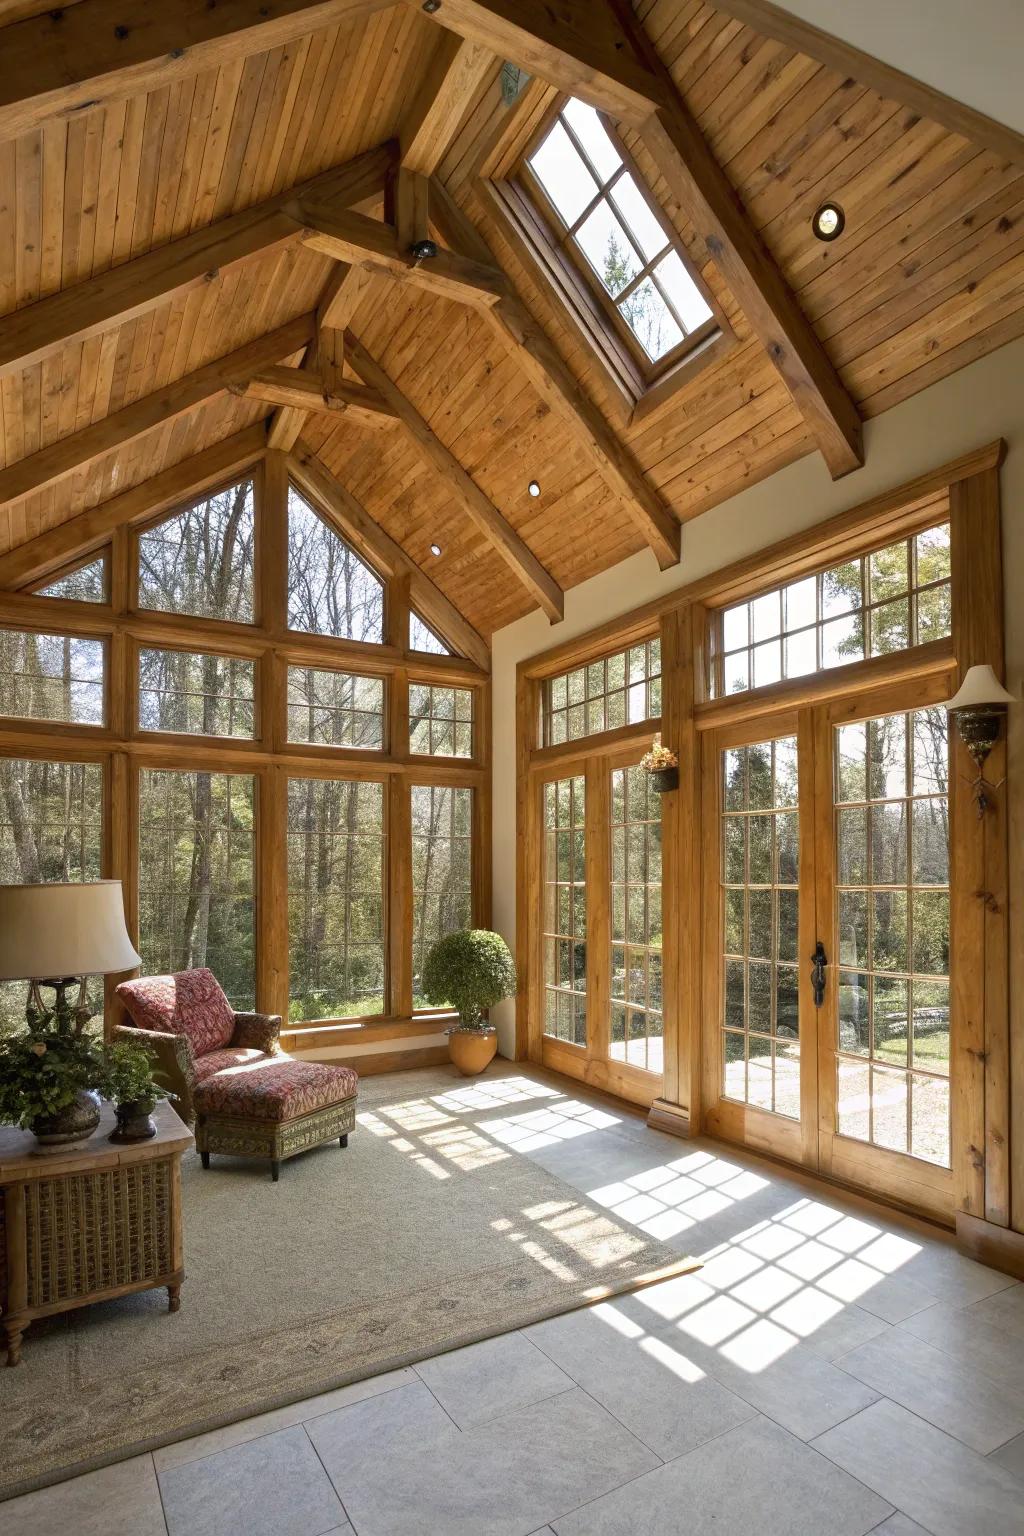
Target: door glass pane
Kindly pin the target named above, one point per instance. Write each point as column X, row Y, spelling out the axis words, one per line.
column 565, row 911
column 892, row 935
column 759, row 882
column 637, row 1031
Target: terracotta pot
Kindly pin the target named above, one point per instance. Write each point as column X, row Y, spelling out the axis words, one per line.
column 471, row 1050
column 74, row 1123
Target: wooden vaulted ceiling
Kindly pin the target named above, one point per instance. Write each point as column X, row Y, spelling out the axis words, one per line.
column 928, row 275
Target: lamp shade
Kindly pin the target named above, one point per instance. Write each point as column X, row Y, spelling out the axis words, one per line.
column 980, row 688
column 51, row 931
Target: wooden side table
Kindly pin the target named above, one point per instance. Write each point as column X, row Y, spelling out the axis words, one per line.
column 89, row 1221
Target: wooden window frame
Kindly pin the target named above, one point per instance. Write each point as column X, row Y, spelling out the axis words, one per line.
column 122, row 748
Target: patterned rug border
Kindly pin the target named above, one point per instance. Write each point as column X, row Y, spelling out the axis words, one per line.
column 314, row 1385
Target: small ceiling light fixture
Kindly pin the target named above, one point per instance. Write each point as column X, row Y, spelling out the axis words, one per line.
column 435, row 549
column 423, row 250
column 829, row 221
column 534, row 487
column 431, row 6
column 978, row 709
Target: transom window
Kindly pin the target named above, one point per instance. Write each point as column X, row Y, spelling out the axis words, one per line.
column 615, row 690
column 885, row 601
column 602, row 212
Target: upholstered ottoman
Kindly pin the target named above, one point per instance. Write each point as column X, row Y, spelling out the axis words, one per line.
column 274, row 1108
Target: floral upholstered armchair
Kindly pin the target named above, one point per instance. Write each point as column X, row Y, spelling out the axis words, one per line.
column 191, row 1031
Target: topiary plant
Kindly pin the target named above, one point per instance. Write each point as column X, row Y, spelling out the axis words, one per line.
column 471, row 970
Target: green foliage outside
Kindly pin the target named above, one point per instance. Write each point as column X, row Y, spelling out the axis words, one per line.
column 472, row 970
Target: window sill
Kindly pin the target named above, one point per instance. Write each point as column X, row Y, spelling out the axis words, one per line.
column 313, row 1036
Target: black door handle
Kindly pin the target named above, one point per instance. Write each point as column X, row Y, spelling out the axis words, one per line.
column 819, row 960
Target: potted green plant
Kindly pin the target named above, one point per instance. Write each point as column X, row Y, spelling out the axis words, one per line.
column 128, row 1081
column 49, row 1076
column 470, row 971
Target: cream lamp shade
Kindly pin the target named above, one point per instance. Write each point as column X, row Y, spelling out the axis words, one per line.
column 53, row 931
column 980, row 689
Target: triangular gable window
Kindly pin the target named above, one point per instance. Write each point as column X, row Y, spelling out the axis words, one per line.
column 82, row 583
column 423, row 638
column 330, row 590
column 200, row 560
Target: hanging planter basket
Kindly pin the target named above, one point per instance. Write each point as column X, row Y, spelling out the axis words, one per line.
column 663, row 780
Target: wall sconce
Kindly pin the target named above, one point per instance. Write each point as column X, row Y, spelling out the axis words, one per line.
column 978, row 709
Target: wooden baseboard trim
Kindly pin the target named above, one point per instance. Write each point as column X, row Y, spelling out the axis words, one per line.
column 673, row 1118
column 998, row 1247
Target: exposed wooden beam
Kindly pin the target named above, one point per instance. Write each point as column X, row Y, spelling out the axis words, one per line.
column 370, row 540
column 75, row 451
column 346, row 287
column 33, row 561
column 352, row 237
column 68, row 60
column 574, row 44
column 596, row 51
column 477, row 506
column 29, row 335
column 770, row 20
column 304, row 389
column 558, row 386
column 412, row 198
column 454, row 76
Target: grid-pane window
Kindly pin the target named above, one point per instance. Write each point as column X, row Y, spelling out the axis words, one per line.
column 336, row 907
column 607, row 217
column 760, row 837
column 335, row 709
column 196, row 693
column 565, row 911
column 201, row 560
column 86, row 583
column 892, row 932
column 423, row 638
column 440, row 721
column 622, row 689
column 196, row 877
column 51, row 829
column 442, row 890
column 51, row 677
column 330, row 590
column 883, row 602
column 637, row 1029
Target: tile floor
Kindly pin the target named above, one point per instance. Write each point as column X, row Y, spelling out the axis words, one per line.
column 830, row 1371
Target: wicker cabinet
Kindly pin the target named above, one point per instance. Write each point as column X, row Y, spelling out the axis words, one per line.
column 88, row 1222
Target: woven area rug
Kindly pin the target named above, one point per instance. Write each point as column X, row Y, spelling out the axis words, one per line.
column 429, row 1232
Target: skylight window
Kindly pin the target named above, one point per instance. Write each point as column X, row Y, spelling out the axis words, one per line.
column 604, row 215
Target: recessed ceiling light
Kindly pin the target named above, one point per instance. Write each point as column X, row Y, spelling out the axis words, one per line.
column 435, row 549
column 534, row 487
column 829, row 221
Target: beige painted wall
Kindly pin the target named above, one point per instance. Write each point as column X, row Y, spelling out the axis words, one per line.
column 963, row 412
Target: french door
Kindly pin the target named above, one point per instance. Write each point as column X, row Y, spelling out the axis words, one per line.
column 826, row 868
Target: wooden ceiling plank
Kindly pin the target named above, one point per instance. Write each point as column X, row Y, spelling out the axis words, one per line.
column 303, row 389
column 499, row 532
column 558, row 387
column 456, row 73
column 84, row 309
column 370, row 540
column 772, row 21
column 67, row 61
column 36, row 559
column 82, row 448
column 352, row 237
column 345, row 289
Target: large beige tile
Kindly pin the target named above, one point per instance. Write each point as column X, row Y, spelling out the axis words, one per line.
column 371, row 1429
column 491, row 1378
column 899, row 1524
column 120, row 1500
column 961, row 1333
column 505, row 1478
column 1011, row 1457
column 646, row 1380
column 948, row 1393
column 932, row 1477
column 181, row 1451
column 274, row 1486
column 1004, row 1310
column 754, row 1481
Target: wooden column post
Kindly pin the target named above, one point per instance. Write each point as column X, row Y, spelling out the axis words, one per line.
column 678, row 1110
column 597, row 852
